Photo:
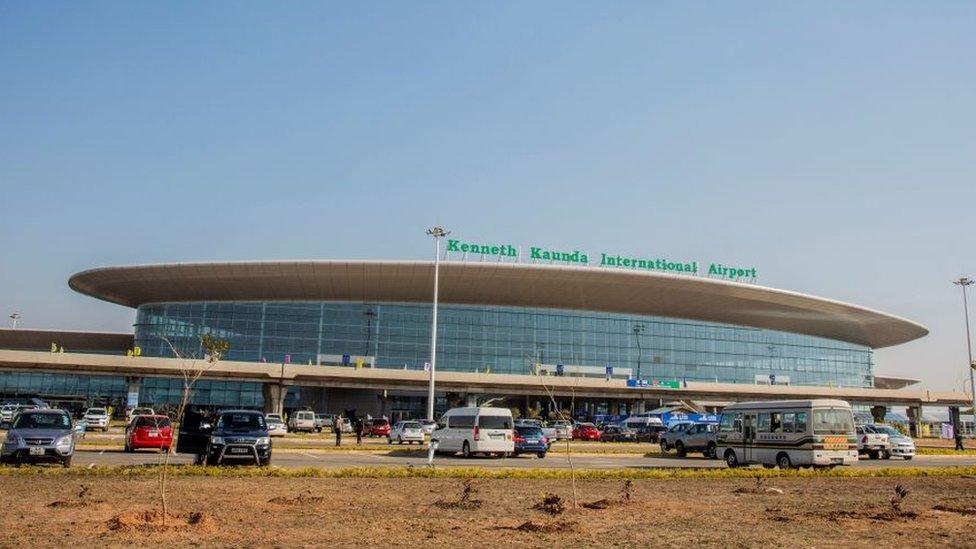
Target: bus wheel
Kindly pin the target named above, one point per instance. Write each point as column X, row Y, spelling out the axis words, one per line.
column 730, row 459
column 783, row 460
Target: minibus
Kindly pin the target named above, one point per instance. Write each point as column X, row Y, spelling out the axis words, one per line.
column 475, row 430
column 787, row 433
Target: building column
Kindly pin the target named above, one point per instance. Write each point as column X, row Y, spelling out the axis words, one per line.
column 274, row 398
column 914, row 420
column 955, row 419
column 470, row 399
column 878, row 413
column 132, row 385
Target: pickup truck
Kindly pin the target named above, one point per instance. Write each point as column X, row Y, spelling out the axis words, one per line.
column 873, row 444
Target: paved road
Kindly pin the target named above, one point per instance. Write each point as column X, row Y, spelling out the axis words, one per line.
column 294, row 459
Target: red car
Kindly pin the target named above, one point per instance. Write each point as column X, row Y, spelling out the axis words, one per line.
column 586, row 431
column 149, row 432
column 379, row 428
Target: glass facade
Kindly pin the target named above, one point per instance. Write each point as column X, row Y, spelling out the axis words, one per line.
column 503, row 340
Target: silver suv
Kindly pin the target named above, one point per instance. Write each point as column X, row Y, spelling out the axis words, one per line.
column 691, row 437
column 40, row 436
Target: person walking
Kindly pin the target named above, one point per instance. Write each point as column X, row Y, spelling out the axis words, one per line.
column 337, row 427
column 958, row 437
column 360, row 427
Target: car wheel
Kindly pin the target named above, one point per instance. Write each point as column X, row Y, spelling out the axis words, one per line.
column 66, row 462
column 679, row 447
column 664, row 446
column 164, row 449
column 541, row 455
column 466, row 450
column 264, row 462
column 212, row 460
column 908, row 458
column 783, row 461
column 400, row 441
column 710, row 450
column 885, row 454
column 731, row 459
column 873, row 454
column 127, row 449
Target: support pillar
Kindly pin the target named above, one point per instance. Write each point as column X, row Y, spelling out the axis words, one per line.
column 955, row 419
column 274, row 398
column 914, row 420
column 470, row 399
column 878, row 413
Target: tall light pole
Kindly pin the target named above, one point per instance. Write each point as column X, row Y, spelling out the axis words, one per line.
column 438, row 233
column 638, row 328
column 13, row 320
column 963, row 282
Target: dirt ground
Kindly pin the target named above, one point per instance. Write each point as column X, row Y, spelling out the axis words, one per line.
column 282, row 512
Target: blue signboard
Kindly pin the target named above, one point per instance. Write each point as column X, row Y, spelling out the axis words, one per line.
column 345, row 360
column 637, row 383
column 559, row 369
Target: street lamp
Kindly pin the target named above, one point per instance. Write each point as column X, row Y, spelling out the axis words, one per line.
column 13, row 320
column 963, row 282
column 638, row 329
column 438, row 233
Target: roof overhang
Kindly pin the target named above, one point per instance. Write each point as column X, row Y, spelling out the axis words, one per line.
column 502, row 284
column 41, row 340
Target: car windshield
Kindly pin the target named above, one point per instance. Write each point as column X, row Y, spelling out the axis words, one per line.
column 42, row 421
column 96, row 411
column 833, row 421
column 241, row 421
column 529, row 431
column 380, row 422
column 150, row 421
column 888, row 430
column 411, row 425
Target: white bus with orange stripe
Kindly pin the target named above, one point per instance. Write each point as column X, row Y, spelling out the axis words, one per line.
column 787, row 433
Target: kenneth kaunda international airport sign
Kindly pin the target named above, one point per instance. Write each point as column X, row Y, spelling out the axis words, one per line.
column 537, row 254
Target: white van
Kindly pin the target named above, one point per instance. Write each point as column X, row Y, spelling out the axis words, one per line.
column 475, row 430
column 787, row 433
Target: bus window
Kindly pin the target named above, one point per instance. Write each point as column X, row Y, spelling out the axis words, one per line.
column 832, row 422
column 731, row 423
column 775, row 422
column 789, row 418
column 763, row 422
column 801, row 422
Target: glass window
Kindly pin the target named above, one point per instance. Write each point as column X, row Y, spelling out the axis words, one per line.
column 801, row 422
column 776, row 422
column 762, row 424
column 789, row 420
column 461, row 422
column 494, row 422
column 832, row 421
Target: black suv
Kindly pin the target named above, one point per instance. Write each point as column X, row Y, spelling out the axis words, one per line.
column 230, row 435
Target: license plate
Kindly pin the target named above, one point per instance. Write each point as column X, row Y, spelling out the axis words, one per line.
column 37, row 451
column 240, row 451
column 496, row 437
column 532, row 440
column 154, row 433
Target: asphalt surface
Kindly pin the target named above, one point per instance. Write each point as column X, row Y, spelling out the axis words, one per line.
column 296, row 459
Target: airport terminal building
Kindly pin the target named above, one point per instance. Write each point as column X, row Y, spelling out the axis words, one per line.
column 647, row 334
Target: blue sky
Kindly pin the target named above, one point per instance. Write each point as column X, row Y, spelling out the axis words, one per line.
column 831, row 144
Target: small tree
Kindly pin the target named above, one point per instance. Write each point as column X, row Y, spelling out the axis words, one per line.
column 192, row 369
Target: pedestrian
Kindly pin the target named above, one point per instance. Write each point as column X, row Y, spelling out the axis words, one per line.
column 360, row 427
column 337, row 427
column 958, row 437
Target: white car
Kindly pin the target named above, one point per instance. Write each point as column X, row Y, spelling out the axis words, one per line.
column 899, row 445
column 302, row 420
column 276, row 427
column 138, row 412
column 427, row 425
column 96, row 418
column 563, row 428
column 406, row 431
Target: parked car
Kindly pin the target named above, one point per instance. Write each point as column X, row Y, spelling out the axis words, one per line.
column 872, row 443
column 149, row 432
column 323, row 421
column 547, row 431
column 405, row 431
column 137, row 411
column 530, row 439
column 691, row 437
column 301, row 420
column 899, row 444
column 96, row 418
column 233, row 435
column 563, row 429
column 586, row 431
column 346, row 425
column 649, row 433
column 40, row 436
column 379, row 427
column 475, row 430
column 276, row 427
column 428, row 426
column 9, row 411
column 617, row 433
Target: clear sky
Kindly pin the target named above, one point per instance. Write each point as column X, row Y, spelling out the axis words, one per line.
column 832, row 145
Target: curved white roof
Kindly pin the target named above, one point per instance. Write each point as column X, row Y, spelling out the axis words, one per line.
column 503, row 284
